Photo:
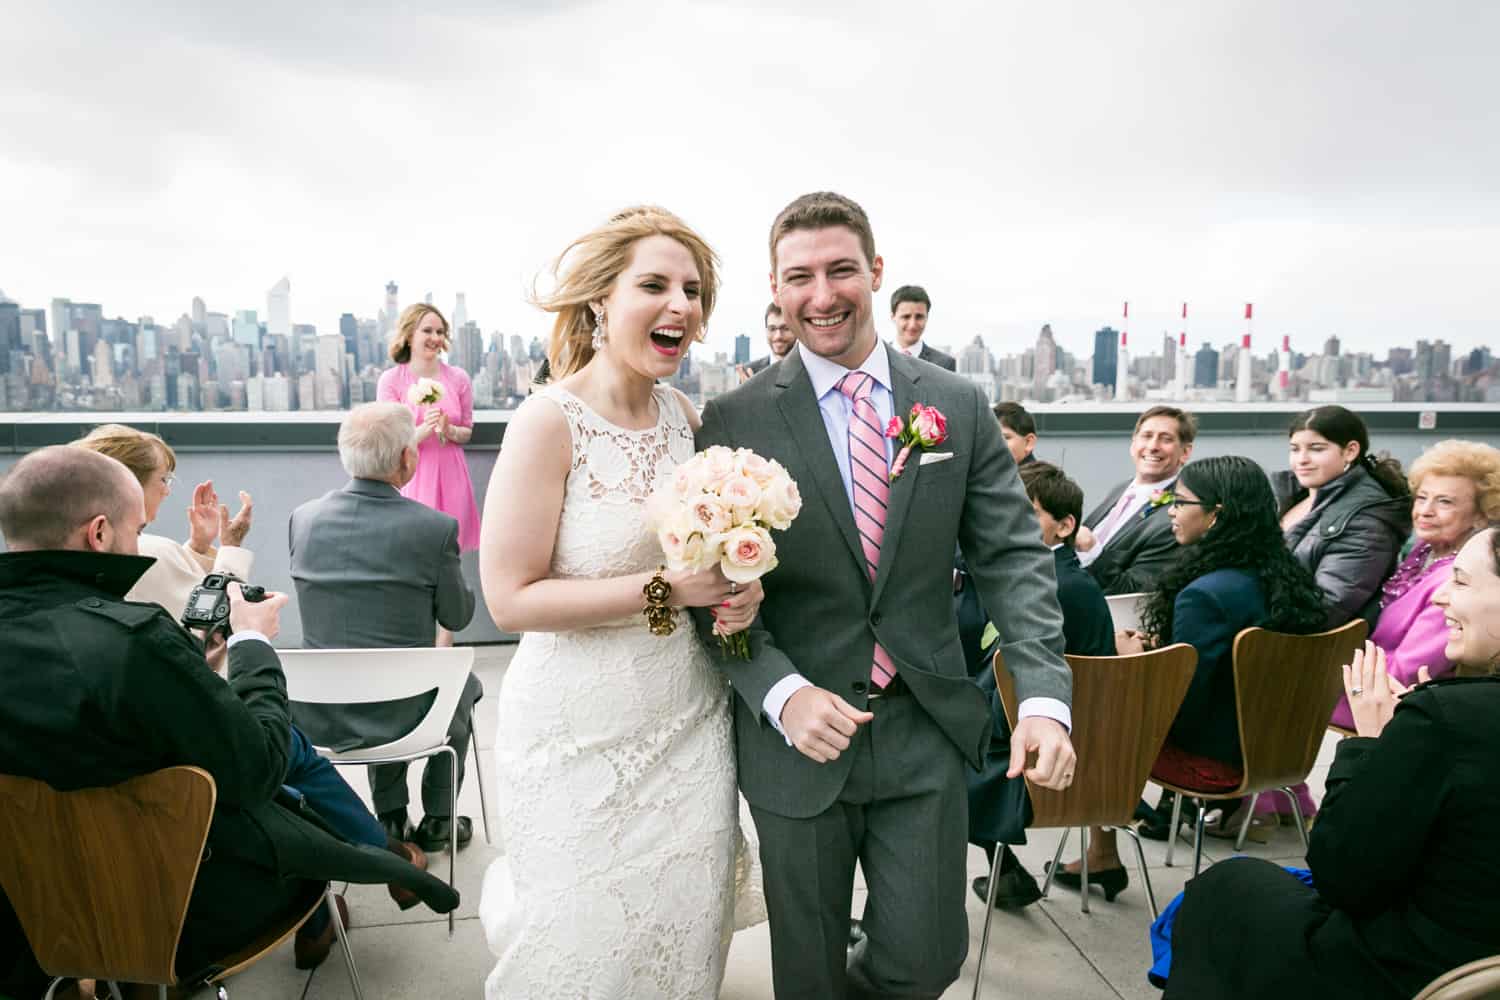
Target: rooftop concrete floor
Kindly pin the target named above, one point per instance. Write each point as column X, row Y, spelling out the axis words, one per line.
column 1047, row 950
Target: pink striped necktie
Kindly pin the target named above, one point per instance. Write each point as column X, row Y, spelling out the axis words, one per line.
column 869, row 474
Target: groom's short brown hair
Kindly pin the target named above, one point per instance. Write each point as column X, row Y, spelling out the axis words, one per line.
column 820, row 210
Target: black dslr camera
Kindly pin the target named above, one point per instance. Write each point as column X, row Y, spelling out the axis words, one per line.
column 208, row 605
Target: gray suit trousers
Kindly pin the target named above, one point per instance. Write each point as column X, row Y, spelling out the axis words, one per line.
column 903, row 815
column 388, row 781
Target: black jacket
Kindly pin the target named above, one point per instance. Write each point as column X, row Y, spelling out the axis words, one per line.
column 96, row 689
column 1137, row 552
column 1350, row 541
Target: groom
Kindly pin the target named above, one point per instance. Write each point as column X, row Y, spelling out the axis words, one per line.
column 855, row 717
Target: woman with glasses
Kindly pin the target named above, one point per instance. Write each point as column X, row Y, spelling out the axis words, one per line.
column 1231, row 572
column 1404, row 881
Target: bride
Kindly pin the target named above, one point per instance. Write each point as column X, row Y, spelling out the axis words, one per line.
column 625, row 872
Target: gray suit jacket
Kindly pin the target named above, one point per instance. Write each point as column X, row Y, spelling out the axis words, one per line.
column 374, row 569
column 1135, row 555
column 940, row 358
column 822, row 614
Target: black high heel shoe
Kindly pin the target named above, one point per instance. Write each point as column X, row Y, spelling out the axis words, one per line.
column 1112, row 880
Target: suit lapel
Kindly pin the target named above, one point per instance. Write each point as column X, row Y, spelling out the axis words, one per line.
column 805, row 426
column 905, row 374
column 1102, row 511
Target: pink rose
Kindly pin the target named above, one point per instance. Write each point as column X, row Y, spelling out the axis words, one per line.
column 752, row 465
column 929, row 426
column 709, row 515
column 740, row 492
column 749, row 554
column 780, row 503
column 893, row 429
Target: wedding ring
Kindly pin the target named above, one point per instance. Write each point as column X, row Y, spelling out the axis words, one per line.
column 734, row 588
column 1356, row 691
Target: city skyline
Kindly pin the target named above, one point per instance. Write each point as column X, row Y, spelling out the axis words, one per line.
column 1333, row 163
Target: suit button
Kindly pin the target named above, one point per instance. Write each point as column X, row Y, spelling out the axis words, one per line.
column 94, row 602
column 875, row 618
column 859, row 687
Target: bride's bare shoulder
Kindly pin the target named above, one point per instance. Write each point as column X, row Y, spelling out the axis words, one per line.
column 539, row 429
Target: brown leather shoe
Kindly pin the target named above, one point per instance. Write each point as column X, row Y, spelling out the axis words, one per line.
column 405, row 898
column 310, row 950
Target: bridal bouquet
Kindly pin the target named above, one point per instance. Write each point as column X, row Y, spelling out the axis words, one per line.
column 425, row 392
column 719, row 509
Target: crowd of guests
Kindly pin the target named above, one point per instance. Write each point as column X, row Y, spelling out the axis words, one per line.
column 1401, row 887
column 86, row 591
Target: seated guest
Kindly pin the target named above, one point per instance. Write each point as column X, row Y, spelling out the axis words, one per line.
column 1231, row 572
column 170, row 581
column 1345, row 514
column 1456, row 492
column 376, row 570
column 909, row 308
column 1018, row 428
column 778, row 338
column 113, row 689
column 1404, row 881
column 1126, row 542
column 1087, row 631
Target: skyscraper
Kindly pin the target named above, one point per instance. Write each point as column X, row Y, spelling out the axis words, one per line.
column 1106, row 355
column 741, row 349
column 246, row 329
column 1206, row 367
column 279, row 309
column 460, row 311
column 392, row 309
column 1045, row 362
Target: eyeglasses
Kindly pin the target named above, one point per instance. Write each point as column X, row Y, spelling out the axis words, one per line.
column 168, row 479
column 1176, row 502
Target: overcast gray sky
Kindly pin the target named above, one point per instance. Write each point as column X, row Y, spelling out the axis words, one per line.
column 1336, row 162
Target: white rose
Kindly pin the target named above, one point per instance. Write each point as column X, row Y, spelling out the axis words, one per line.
column 681, row 543
column 741, row 493
column 689, row 478
column 718, row 465
column 749, row 554
column 780, row 503
column 752, row 465
column 709, row 514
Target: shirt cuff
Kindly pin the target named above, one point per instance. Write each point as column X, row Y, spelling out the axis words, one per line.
column 776, row 699
column 247, row 634
column 1047, row 708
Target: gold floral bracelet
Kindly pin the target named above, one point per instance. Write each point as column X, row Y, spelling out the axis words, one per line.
column 660, row 617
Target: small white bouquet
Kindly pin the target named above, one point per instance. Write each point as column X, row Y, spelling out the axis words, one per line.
column 425, row 392
column 718, row 509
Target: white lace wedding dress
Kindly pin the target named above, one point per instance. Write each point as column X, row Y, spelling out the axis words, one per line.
column 625, row 872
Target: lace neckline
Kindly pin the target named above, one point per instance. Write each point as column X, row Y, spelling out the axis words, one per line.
column 596, row 416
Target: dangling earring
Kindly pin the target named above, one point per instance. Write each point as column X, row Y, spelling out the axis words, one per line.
column 601, row 331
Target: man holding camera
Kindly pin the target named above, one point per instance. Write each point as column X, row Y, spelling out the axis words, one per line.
column 97, row 690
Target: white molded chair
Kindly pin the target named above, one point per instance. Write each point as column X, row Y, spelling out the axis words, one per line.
column 1125, row 610
column 360, row 676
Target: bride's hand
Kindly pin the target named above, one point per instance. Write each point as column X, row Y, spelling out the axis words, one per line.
column 739, row 610
column 706, row 588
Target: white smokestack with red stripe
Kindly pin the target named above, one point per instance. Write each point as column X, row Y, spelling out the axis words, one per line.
column 1182, row 358
column 1122, row 362
column 1284, row 367
column 1242, row 375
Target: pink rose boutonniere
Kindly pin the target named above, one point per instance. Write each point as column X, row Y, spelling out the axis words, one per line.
column 1159, row 498
column 924, row 425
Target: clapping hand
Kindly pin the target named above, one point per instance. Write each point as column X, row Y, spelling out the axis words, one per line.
column 232, row 531
column 203, row 518
column 1372, row 692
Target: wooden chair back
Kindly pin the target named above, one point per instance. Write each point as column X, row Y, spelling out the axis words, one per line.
column 1287, row 686
column 100, row 877
column 1122, row 709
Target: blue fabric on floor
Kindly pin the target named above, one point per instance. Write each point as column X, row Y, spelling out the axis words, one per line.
column 1161, row 935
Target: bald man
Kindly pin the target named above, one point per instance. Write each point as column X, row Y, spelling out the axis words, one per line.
column 112, row 689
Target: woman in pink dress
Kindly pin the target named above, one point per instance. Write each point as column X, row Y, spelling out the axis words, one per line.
column 443, row 428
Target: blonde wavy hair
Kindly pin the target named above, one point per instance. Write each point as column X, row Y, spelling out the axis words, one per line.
column 587, row 269
column 411, row 318
column 1478, row 463
column 139, row 451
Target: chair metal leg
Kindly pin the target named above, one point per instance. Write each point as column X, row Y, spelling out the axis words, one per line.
column 221, row 993
column 1140, row 858
column 1198, row 836
column 452, row 827
column 114, row 991
column 1056, row 861
column 338, row 930
column 484, row 806
column 989, row 914
column 1239, row 843
column 1301, row 820
column 1083, row 871
column 161, row 992
column 1172, row 833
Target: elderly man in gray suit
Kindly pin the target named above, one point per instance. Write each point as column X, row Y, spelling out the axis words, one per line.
column 855, row 716
column 374, row 569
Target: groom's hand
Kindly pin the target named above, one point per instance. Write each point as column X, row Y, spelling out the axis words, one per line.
column 820, row 724
column 1054, row 752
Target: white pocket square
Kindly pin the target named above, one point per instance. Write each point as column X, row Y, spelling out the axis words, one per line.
column 931, row 457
